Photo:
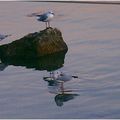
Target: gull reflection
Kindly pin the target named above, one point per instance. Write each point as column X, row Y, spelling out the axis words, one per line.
column 56, row 82
column 64, row 97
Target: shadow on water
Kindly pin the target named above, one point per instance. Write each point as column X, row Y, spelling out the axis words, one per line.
column 48, row 62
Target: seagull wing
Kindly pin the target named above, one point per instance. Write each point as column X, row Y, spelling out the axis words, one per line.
column 34, row 14
column 42, row 17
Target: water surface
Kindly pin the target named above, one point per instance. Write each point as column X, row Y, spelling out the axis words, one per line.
column 92, row 33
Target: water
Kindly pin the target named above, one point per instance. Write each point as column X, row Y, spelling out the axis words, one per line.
column 91, row 32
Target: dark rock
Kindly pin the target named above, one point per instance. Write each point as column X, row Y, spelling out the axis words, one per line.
column 34, row 45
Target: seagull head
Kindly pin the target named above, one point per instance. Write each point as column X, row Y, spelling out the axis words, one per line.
column 56, row 74
column 51, row 12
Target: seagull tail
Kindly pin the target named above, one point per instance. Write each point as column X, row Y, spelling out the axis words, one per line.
column 33, row 15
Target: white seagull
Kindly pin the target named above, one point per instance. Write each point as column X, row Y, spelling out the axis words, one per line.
column 63, row 77
column 45, row 17
column 59, row 76
column 56, row 81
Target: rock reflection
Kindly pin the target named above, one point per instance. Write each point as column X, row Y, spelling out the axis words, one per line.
column 2, row 66
column 56, row 82
column 48, row 62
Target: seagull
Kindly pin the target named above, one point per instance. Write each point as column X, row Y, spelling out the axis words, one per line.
column 63, row 77
column 45, row 17
column 56, row 86
column 59, row 77
column 56, row 81
column 3, row 36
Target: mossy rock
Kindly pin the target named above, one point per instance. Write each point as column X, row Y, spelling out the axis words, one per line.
column 35, row 45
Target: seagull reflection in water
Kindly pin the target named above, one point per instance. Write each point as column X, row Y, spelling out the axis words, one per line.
column 56, row 82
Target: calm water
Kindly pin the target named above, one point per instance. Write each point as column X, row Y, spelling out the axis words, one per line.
column 92, row 33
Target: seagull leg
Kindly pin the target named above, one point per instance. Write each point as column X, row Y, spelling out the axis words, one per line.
column 62, row 88
column 46, row 24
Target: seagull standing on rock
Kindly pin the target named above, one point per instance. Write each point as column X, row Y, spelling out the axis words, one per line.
column 45, row 17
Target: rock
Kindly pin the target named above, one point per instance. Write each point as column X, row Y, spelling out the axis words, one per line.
column 34, row 45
